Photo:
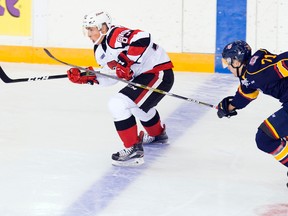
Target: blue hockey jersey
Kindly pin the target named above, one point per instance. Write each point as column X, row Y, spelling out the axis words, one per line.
column 265, row 72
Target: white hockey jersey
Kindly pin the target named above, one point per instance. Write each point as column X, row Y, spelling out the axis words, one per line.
column 148, row 57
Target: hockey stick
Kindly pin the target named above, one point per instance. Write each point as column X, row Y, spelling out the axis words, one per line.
column 7, row 79
column 130, row 82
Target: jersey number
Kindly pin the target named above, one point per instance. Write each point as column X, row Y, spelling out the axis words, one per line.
column 123, row 38
column 268, row 58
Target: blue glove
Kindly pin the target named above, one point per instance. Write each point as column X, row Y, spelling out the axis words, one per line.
column 223, row 110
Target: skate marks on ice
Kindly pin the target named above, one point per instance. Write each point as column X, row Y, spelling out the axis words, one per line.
column 117, row 179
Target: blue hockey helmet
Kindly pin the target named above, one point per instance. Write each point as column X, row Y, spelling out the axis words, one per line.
column 237, row 50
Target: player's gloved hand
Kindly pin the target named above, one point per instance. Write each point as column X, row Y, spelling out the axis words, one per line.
column 223, row 110
column 123, row 67
column 75, row 76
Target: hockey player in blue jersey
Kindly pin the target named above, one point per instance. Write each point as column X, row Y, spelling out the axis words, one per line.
column 265, row 72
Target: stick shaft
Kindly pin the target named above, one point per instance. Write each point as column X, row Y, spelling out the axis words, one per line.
column 130, row 82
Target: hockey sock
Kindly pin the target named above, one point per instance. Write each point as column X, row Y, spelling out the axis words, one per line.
column 153, row 126
column 127, row 131
column 281, row 153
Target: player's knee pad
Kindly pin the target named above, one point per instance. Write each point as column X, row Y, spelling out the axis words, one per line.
column 119, row 108
column 265, row 142
column 142, row 115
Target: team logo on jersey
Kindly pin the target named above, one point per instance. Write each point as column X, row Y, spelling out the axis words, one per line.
column 245, row 82
column 253, row 60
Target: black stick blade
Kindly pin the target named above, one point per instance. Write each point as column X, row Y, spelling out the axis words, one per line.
column 7, row 79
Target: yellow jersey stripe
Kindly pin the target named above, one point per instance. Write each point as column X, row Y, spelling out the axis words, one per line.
column 272, row 129
column 263, row 69
column 282, row 69
column 250, row 96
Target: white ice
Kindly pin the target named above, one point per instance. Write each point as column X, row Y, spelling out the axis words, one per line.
column 57, row 139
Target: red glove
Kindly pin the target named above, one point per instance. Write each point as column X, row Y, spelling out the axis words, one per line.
column 123, row 69
column 75, row 76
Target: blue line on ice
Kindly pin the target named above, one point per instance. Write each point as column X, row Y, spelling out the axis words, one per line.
column 102, row 192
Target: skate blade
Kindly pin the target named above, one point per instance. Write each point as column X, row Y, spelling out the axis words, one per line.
column 163, row 142
column 129, row 163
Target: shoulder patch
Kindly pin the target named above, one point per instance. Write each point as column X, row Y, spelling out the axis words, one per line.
column 253, row 60
column 102, row 56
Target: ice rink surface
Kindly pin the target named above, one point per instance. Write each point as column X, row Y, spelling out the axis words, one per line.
column 57, row 139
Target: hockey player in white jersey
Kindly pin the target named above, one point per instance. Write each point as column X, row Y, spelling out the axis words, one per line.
column 130, row 55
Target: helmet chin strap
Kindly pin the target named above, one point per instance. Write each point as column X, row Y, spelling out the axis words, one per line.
column 101, row 35
column 238, row 69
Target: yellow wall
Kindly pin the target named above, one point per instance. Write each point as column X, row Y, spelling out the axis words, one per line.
column 85, row 57
column 17, row 23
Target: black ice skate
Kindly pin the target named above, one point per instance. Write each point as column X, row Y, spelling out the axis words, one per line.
column 160, row 139
column 133, row 156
